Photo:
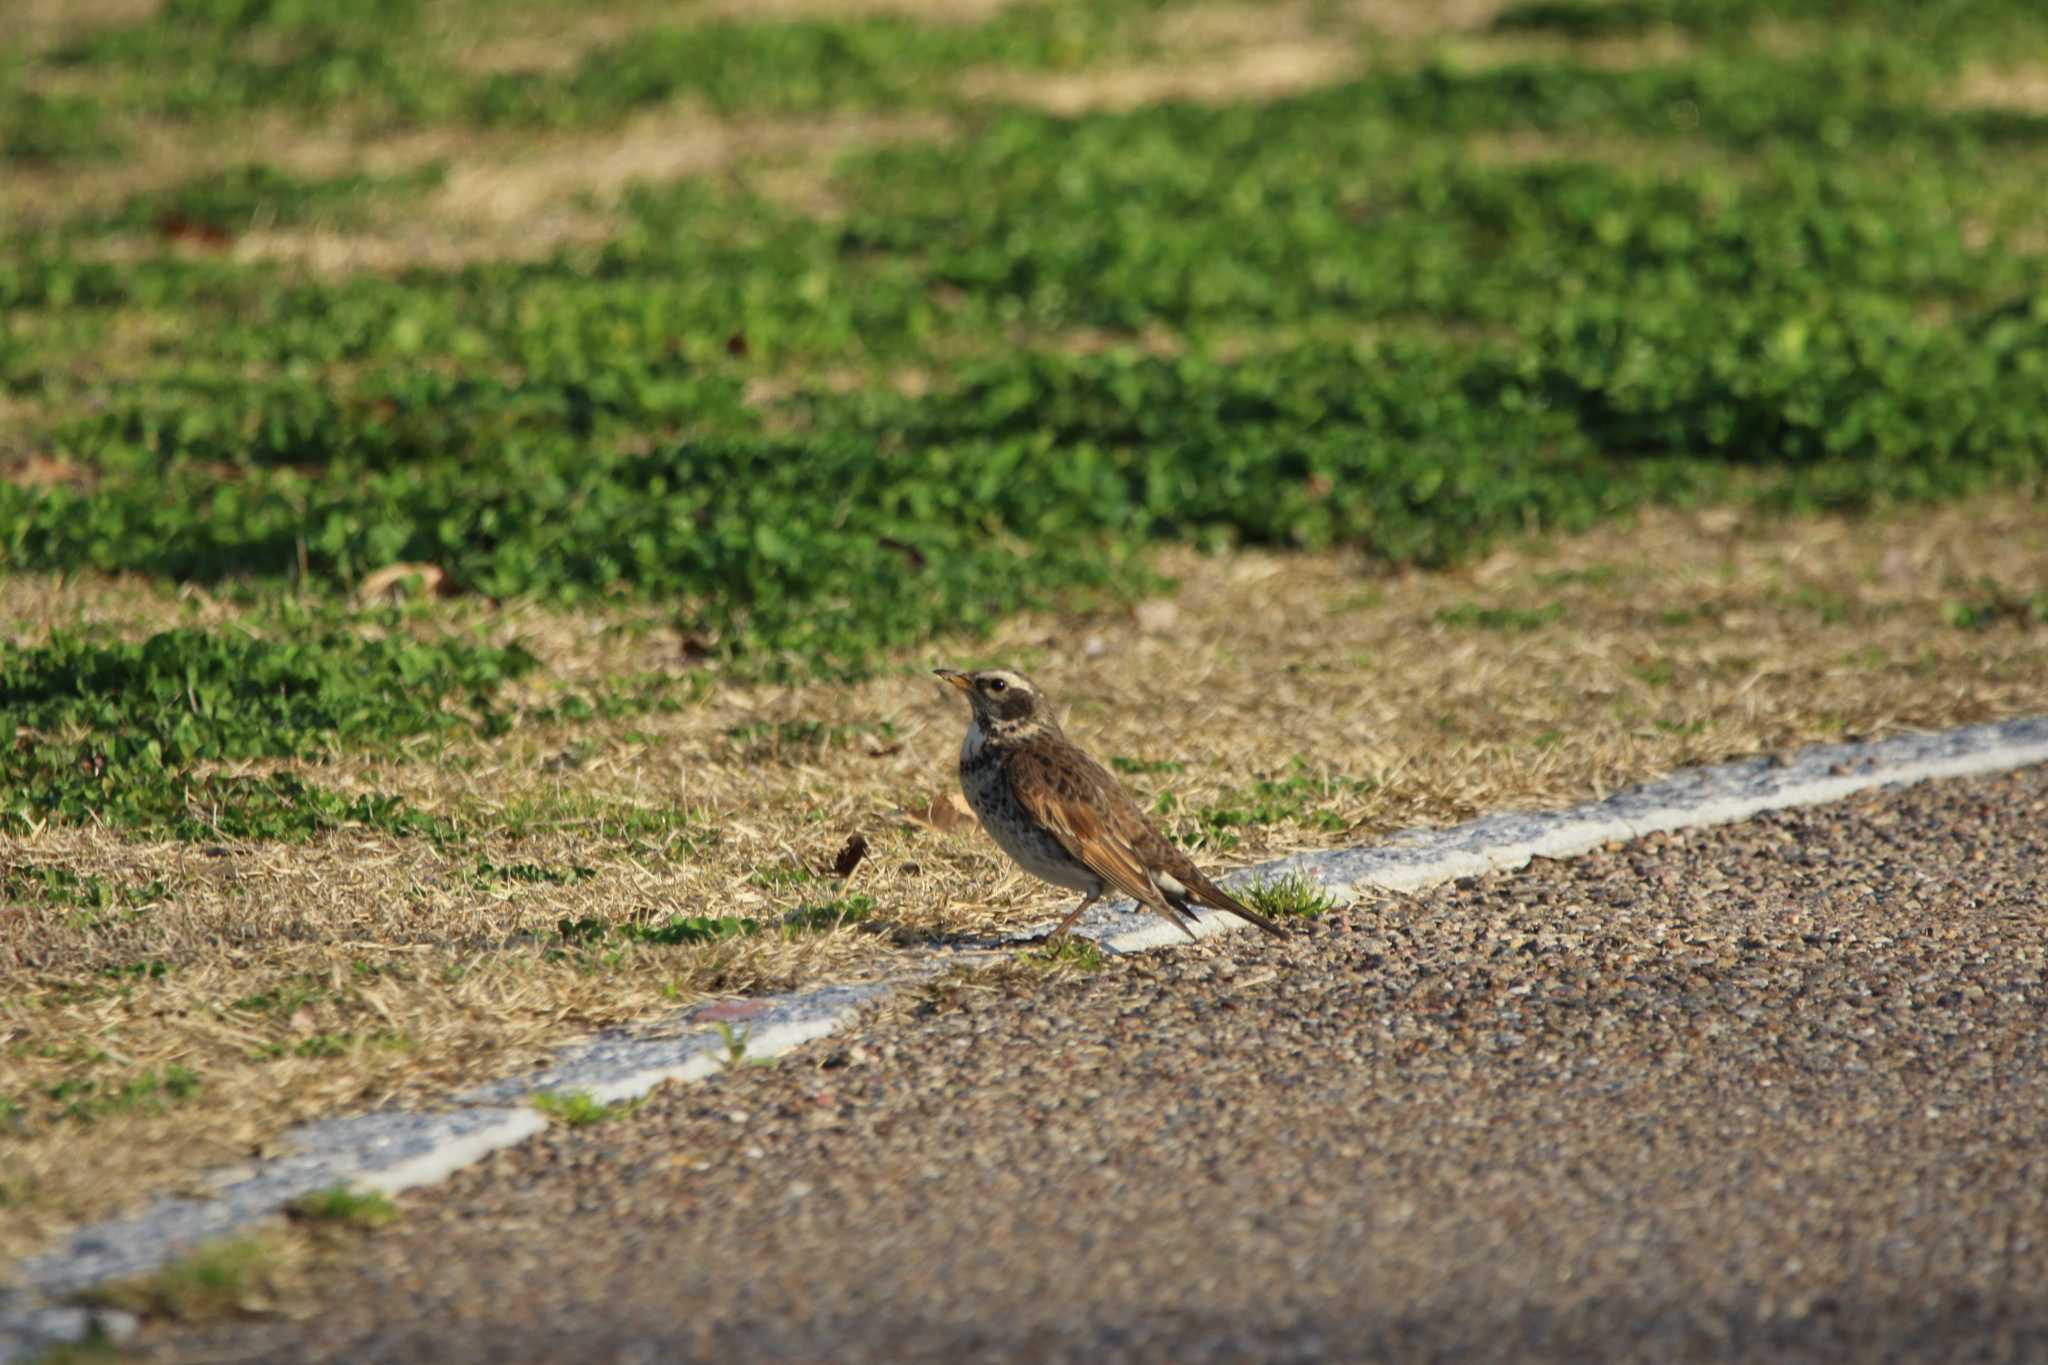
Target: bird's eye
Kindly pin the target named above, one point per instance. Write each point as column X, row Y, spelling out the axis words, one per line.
column 995, row 684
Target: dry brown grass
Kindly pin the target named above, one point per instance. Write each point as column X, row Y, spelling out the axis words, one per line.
column 400, row 969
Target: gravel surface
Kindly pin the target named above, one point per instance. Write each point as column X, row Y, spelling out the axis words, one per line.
column 1772, row 1091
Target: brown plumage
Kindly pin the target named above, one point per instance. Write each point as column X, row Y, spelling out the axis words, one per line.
column 1062, row 816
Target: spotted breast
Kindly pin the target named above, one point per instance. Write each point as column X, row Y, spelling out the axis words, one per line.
column 1010, row 825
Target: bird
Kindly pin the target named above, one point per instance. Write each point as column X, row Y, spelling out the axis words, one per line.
column 1061, row 815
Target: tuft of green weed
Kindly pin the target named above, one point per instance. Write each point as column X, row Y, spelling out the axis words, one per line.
column 823, row 916
column 781, row 876
column 1293, row 895
column 283, row 999
column 683, row 929
column 1992, row 604
column 1653, row 672
column 577, row 1109
column 735, row 1043
column 343, row 1206
column 674, row 932
column 217, row 1279
column 1067, row 955
column 1143, row 765
column 488, row 873
column 1472, row 616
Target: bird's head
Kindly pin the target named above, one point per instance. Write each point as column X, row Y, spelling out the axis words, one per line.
column 1003, row 700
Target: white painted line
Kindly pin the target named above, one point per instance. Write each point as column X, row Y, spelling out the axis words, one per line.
column 402, row 1150
column 438, row 1163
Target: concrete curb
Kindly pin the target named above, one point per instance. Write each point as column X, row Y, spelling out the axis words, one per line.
column 397, row 1150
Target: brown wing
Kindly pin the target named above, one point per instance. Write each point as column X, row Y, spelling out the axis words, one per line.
column 1095, row 820
column 1079, row 804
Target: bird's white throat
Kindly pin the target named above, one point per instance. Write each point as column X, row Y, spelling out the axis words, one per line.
column 981, row 732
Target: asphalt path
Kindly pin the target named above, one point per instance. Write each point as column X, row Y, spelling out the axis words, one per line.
column 1774, row 1091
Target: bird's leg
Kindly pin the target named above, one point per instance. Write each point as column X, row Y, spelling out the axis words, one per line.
column 1059, row 935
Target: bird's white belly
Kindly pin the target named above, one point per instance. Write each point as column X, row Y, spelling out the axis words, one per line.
column 1000, row 813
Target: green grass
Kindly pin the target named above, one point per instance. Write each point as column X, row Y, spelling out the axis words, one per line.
column 48, row 130
column 115, row 731
column 1803, row 281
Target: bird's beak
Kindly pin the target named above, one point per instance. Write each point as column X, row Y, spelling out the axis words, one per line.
column 956, row 677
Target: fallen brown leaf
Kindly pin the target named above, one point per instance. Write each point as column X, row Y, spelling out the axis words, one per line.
column 944, row 813
column 391, row 581
column 850, row 856
column 177, row 227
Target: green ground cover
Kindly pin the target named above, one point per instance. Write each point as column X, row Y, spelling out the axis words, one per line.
column 1772, row 270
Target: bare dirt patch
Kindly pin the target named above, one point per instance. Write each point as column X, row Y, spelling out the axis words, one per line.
column 1273, row 702
column 1417, row 20
column 517, row 180
column 1268, row 71
column 2019, row 89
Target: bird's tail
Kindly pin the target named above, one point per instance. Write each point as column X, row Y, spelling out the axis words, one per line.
column 1208, row 893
